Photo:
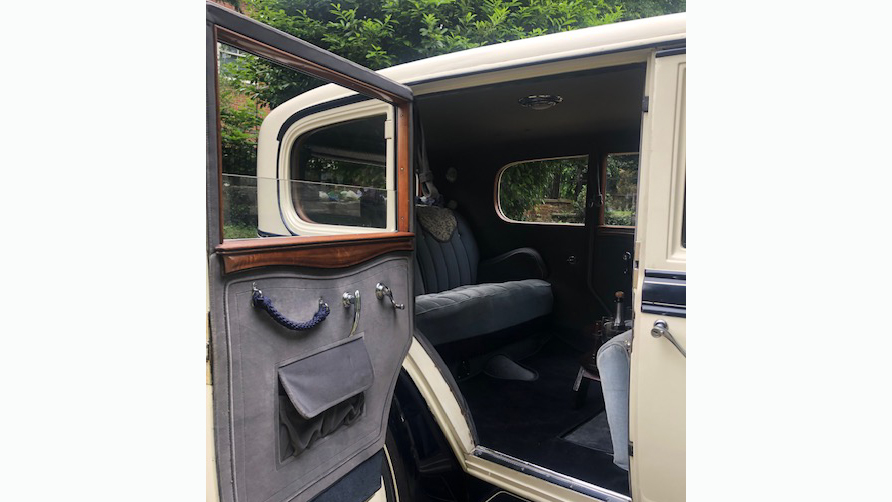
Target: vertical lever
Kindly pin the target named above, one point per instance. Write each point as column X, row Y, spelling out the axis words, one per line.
column 353, row 299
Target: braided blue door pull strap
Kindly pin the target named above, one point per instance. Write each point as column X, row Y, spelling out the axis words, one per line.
column 260, row 301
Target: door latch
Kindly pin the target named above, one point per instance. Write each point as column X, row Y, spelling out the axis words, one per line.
column 661, row 329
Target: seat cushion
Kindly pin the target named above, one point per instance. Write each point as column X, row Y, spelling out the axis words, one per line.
column 473, row 310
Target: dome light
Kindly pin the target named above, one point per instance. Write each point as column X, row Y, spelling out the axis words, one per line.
column 540, row 101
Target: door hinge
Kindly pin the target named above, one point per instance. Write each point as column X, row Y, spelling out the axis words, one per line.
column 645, row 103
column 631, row 449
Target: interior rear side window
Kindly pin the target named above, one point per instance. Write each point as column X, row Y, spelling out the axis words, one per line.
column 544, row 191
column 620, row 190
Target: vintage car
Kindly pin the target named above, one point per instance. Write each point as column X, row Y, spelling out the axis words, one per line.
column 456, row 279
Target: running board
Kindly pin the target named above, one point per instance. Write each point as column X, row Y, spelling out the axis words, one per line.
column 553, row 477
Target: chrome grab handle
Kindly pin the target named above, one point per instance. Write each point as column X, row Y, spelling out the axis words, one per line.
column 661, row 328
column 381, row 290
column 353, row 299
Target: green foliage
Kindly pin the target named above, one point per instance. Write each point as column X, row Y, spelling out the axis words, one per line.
column 240, row 231
column 341, row 172
column 545, row 190
column 621, row 191
column 637, row 9
column 264, row 83
column 239, row 207
column 381, row 34
column 624, row 218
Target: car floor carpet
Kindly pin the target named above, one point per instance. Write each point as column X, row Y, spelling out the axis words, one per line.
column 594, row 434
column 527, row 419
column 503, row 367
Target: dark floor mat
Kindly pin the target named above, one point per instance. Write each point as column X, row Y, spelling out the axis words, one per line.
column 527, row 419
column 594, row 434
column 502, row 367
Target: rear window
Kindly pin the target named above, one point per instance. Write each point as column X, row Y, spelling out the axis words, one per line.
column 544, row 191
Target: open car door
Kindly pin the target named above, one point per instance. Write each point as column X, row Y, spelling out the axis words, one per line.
column 659, row 354
column 309, row 325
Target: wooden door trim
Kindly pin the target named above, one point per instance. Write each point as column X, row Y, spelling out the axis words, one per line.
column 329, row 251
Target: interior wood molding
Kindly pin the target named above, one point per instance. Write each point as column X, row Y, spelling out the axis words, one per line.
column 403, row 172
column 330, row 251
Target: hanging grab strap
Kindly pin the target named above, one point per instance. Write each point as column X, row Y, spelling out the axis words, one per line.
column 423, row 169
column 260, row 301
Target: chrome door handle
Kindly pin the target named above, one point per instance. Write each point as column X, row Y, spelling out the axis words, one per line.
column 661, row 328
column 353, row 299
column 381, row 290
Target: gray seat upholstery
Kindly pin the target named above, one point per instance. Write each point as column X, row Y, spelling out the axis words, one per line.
column 478, row 309
column 451, row 306
column 614, row 364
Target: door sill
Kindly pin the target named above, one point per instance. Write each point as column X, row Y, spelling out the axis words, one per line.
column 548, row 475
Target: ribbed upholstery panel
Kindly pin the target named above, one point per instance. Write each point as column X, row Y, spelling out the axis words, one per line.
column 419, row 282
column 468, row 260
column 450, row 306
column 447, row 265
column 474, row 310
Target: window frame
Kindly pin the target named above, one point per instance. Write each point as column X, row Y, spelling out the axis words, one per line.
column 602, row 188
column 226, row 26
column 498, row 190
column 306, row 125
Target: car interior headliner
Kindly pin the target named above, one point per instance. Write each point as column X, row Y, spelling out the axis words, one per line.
column 594, row 102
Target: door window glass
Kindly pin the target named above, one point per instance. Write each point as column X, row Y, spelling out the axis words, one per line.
column 620, row 189
column 544, row 191
column 333, row 177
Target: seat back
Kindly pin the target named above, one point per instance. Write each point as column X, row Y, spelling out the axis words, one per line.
column 444, row 265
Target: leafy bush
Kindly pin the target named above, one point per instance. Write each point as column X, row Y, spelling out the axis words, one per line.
column 240, row 231
column 532, row 191
column 626, row 218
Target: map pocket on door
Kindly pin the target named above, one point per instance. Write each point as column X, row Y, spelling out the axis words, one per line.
column 320, row 393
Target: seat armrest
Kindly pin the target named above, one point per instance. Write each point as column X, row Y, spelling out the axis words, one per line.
column 515, row 265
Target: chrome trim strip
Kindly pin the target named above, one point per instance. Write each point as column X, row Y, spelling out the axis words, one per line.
column 650, row 308
column 496, row 494
column 544, row 474
column 396, row 493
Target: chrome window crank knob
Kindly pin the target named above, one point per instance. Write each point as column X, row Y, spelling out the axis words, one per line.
column 381, row 290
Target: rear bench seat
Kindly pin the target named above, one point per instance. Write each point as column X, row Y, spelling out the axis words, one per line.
column 450, row 304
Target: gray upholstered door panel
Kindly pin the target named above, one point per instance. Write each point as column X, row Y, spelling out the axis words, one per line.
column 250, row 349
